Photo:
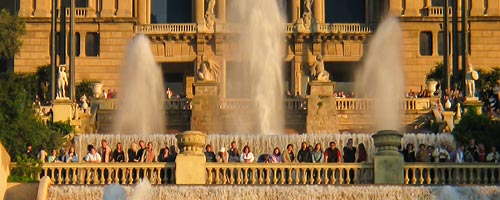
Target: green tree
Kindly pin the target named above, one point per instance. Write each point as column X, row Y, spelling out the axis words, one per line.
column 478, row 127
column 19, row 124
column 11, row 30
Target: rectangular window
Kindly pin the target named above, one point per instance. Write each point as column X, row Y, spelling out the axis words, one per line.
column 92, row 44
column 81, row 3
column 441, row 43
column 426, row 43
column 77, row 44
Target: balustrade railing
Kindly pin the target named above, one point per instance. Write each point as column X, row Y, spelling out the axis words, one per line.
column 451, row 173
column 275, row 173
column 235, row 104
column 346, row 28
column 166, row 28
column 437, row 11
column 106, row 173
column 178, row 104
column 79, row 12
column 368, row 104
column 296, row 104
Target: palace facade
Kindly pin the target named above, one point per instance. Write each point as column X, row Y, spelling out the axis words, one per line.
column 179, row 35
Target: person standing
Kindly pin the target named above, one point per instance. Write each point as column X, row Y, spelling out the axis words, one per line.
column 247, row 155
column 105, row 152
column 317, row 154
column 209, row 154
column 289, row 154
column 234, row 153
column 350, row 157
column 332, row 154
column 304, row 155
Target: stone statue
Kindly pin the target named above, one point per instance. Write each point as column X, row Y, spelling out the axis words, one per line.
column 208, row 69
column 307, row 6
column 318, row 71
column 470, row 77
column 62, row 82
column 210, row 14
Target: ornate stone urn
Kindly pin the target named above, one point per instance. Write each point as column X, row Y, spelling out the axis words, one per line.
column 97, row 89
column 387, row 141
column 431, row 86
column 388, row 162
column 191, row 142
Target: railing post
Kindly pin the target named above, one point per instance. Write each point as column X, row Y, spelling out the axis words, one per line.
column 388, row 165
column 190, row 163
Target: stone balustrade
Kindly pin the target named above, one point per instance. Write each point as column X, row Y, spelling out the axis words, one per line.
column 296, row 104
column 235, row 104
column 367, row 104
column 166, row 28
column 346, row 28
column 106, row 173
column 303, row 173
column 79, row 12
column 451, row 173
column 435, row 11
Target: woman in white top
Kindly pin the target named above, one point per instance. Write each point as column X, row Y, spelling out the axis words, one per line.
column 246, row 156
column 53, row 156
column 93, row 156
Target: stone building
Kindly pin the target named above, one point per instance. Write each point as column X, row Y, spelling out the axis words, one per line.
column 179, row 37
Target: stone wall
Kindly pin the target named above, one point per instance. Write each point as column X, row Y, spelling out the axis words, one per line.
column 4, row 169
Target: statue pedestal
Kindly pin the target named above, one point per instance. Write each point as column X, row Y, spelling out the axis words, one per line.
column 388, row 164
column 321, row 108
column 61, row 109
column 473, row 103
column 190, row 163
column 448, row 118
column 206, row 107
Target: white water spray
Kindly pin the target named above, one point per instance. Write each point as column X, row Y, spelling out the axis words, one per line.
column 142, row 102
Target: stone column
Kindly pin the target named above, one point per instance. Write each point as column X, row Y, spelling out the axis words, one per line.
column 477, row 8
column 388, row 164
column 295, row 10
column 190, row 162
column 42, row 8
column 83, row 46
column 318, row 11
column 142, row 12
column 124, row 8
column 92, row 8
column 221, row 10
column 200, row 11
column 25, row 8
column 321, row 108
column 206, row 107
column 108, row 8
column 413, row 8
column 395, row 7
column 493, row 8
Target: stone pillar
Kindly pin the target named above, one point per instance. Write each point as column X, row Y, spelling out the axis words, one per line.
column 493, row 8
column 124, row 8
column 200, row 11
column 477, row 8
column 221, row 10
column 206, row 107
column 388, row 164
column 295, row 10
column 321, row 108
column 190, row 163
column 61, row 110
column 318, row 11
column 108, row 8
column 413, row 8
column 25, row 8
column 448, row 118
column 142, row 12
column 92, row 9
column 395, row 7
column 42, row 8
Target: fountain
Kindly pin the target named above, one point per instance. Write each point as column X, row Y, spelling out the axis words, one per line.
column 142, row 107
column 261, row 25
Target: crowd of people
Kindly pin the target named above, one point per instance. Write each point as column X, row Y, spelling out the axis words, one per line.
column 470, row 153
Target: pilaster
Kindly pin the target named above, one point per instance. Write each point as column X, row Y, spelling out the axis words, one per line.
column 108, row 8
column 318, row 11
column 92, row 6
column 413, row 8
column 493, row 8
column 295, row 12
column 25, row 8
column 42, row 8
column 396, row 7
column 221, row 10
column 199, row 11
column 124, row 8
column 477, row 8
column 142, row 11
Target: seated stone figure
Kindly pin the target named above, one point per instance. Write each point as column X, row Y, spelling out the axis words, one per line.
column 208, row 70
column 318, row 72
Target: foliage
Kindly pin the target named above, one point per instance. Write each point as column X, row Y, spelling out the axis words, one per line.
column 18, row 122
column 64, row 128
column 85, row 87
column 478, row 127
column 43, row 79
column 26, row 169
column 488, row 80
column 438, row 73
column 11, row 30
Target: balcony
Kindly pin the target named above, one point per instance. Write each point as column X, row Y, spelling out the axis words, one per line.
column 435, row 11
column 188, row 28
column 346, row 28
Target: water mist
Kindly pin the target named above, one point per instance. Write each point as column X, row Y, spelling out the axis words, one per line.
column 382, row 77
column 142, row 101
column 261, row 54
